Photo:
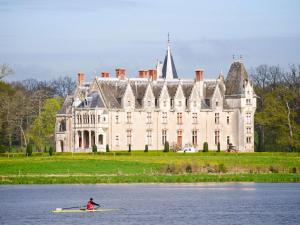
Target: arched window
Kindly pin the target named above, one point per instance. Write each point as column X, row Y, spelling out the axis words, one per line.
column 62, row 125
column 100, row 139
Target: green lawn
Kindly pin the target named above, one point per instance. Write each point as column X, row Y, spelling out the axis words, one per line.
column 153, row 166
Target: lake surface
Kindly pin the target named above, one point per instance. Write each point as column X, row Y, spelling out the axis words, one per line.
column 203, row 203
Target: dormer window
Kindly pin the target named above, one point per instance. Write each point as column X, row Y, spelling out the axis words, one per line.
column 85, row 102
column 156, row 102
column 217, row 103
column 195, row 103
column 179, row 103
column 248, row 101
column 165, row 103
column 129, row 103
column 149, row 103
column 172, row 102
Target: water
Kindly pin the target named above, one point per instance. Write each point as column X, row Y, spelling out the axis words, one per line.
column 232, row 203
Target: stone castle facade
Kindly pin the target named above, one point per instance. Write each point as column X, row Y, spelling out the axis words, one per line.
column 156, row 107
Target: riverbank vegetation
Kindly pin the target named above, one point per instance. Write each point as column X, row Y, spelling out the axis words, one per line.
column 153, row 166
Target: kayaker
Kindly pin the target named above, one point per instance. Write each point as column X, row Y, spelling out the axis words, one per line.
column 90, row 204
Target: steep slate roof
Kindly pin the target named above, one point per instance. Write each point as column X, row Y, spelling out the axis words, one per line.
column 157, row 88
column 112, row 92
column 172, row 88
column 93, row 100
column 235, row 79
column 169, row 70
column 67, row 106
column 187, row 89
column 209, row 89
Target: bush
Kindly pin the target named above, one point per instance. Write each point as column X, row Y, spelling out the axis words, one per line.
column 188, row 168
column 146, row 148
column 175, row 147
column 222, row 168
column 29, row 150
column 218, row 147
column 205, row 147
column 94, row 148
column 129, row 148
column 50, row 151
column 45, row 149
column 2, row 149
column 107, row 148
column 273, row 169
column 166, row 147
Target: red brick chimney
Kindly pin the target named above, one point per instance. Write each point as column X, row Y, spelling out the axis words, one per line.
column 120, row 73
column 105, row 74
column 143, row 73
column 199, row 74
column 152, row 74
column 80, row 78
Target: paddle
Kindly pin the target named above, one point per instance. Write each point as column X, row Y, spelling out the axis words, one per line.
column 74, row 207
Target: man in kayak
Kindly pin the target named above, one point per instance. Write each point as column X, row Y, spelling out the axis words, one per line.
column 90, row 204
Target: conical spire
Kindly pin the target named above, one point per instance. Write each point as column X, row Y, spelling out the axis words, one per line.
column 169, row 70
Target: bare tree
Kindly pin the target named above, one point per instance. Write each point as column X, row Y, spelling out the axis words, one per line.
column 5, row 70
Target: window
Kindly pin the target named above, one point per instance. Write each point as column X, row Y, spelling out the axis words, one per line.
column 248, row 140
column 117, row 140
column 217, row 119
column 172, row 102
column 217, row 137
column 80, row 118
column 179, row 137
column 149, row 103
column 179, row 103
column 194, row 137
column 248, row 101
column 164, row 117
column 100, row 139
column 194, row 117
column 248, row 130
column 179, row 118
column 164, row 136
column 128, row 117
column 195, row 104
column 248, row 118
column 165, row 103
column 186, row 102
column 117, row 118
column 228, row 140
column 128, row 137
column 149, row 137
column 128, row 103
column 148, row 117
column 227, row 119
column 217, row 103
column 156, row 102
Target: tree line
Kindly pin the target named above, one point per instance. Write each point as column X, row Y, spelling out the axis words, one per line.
column 28, row 109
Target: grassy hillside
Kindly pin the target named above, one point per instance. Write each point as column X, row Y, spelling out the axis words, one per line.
column 149, row 167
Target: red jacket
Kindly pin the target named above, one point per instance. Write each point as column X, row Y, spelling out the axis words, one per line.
column 90, row 205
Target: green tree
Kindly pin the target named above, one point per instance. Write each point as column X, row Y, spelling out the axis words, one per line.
column 43, row 128
column 29, row 150
column 107, row 148
column 94, row 149
column 50, row 151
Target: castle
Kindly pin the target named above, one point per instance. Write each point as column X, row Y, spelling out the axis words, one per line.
column 156, row 107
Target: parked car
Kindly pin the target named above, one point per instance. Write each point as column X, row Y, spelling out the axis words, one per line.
column 188, row 150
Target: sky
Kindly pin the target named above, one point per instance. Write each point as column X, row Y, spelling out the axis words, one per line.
column 46, row 39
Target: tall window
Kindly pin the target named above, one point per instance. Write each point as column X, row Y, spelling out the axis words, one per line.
column 128, row 103
column 194, row 117
column 179, row 118
column 248, row 140
column 164, row 136
column 99, row 118
column 217, row 137
column 227, row 119
column 217, row 103
column 164, row 117
column 128, row 137
column 149, row 103
column 80, row 119
column 149, row 117
column 248, row 118
column 228, row 140
column 248, row 101
column 149, row 137
column 117, row 118
column 165, row 103
column 128, row 117
column 179, row 137
column 172, row 102
column 117, row 140
column 217, row 118
column 248, row 130
column 194, row 137
column 179, row 103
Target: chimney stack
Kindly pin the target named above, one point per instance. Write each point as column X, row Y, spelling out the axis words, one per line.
column 199, row 74
column 143, row 73
column 152, row 74
column 120, row 73
column 105, row 74
column 80, row 78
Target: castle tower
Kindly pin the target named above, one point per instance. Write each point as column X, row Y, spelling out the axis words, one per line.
column 169, row 70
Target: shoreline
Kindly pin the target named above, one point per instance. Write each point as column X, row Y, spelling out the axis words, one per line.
column 156, row 179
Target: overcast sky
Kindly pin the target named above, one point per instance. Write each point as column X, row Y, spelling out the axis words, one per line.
column 46, row 39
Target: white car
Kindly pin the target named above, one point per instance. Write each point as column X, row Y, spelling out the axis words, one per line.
column 188, row 150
